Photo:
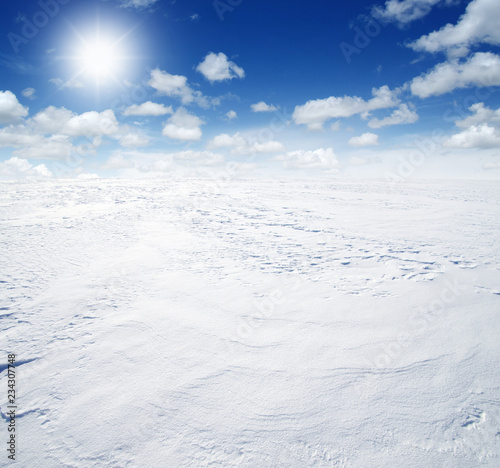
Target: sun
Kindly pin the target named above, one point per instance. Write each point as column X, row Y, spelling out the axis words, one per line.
column 99, row 54
column 100, row 59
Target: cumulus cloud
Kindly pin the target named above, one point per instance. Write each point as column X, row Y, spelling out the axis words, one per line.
column 51, row 120
column 316, row 112
column 176, row 86
column 50, row 132
column 241, row 146
column 217, row 67
column 481, row 129
column 171, row 85
column 263, row 107
column 403, row 12
column 29, row 144
column 29, row 93
column 231, row 115
column 59, row 120
column 131, row 139
column 479, row 24
column 148, row 109
column 322, row 158
column 480, row 115
column 402, row 115
column 183, row 126
column 476, row 136
column 11, row 110
column 366, row 139
column 481, row 69
column 19, row 168
column 92, row 124
column 52, row 147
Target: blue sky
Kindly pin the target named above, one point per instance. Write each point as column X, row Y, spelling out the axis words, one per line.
column 391, row 89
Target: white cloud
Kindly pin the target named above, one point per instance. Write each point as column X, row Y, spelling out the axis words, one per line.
column 402, row 115
column 49, row 134
column 92, row 124
column 136, row 140
column 481, row 69
column 217, row 67
column 30, row 144
column 52, row 147
column 231, row 115
column 263, row 107
column 271, row 146
column 137, row 3
column 29, row 93
column 18, row 136
column 148, row 109
column 403, row 12
column 366, row 139
column 481, row 115
column 226, row 140
column 241, row 146
column 481, row 129
column 11, row 109
column 41, row 170
column 18, row 168
column 318, row 159
column 314, row 113
column 183, row 126
column 477, row 136
column 479, row 24
column 176, row 86
column 51, row 120
column 70, row 84
column 14, row 165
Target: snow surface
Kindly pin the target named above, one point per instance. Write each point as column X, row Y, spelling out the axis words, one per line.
column 252, row 323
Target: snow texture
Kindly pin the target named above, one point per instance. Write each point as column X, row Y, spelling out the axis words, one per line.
column 252, row 323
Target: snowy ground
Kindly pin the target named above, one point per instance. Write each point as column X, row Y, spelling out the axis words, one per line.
column 252, row 323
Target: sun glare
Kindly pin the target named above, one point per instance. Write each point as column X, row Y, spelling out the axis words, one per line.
column 99, row 56
column 100, row 59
